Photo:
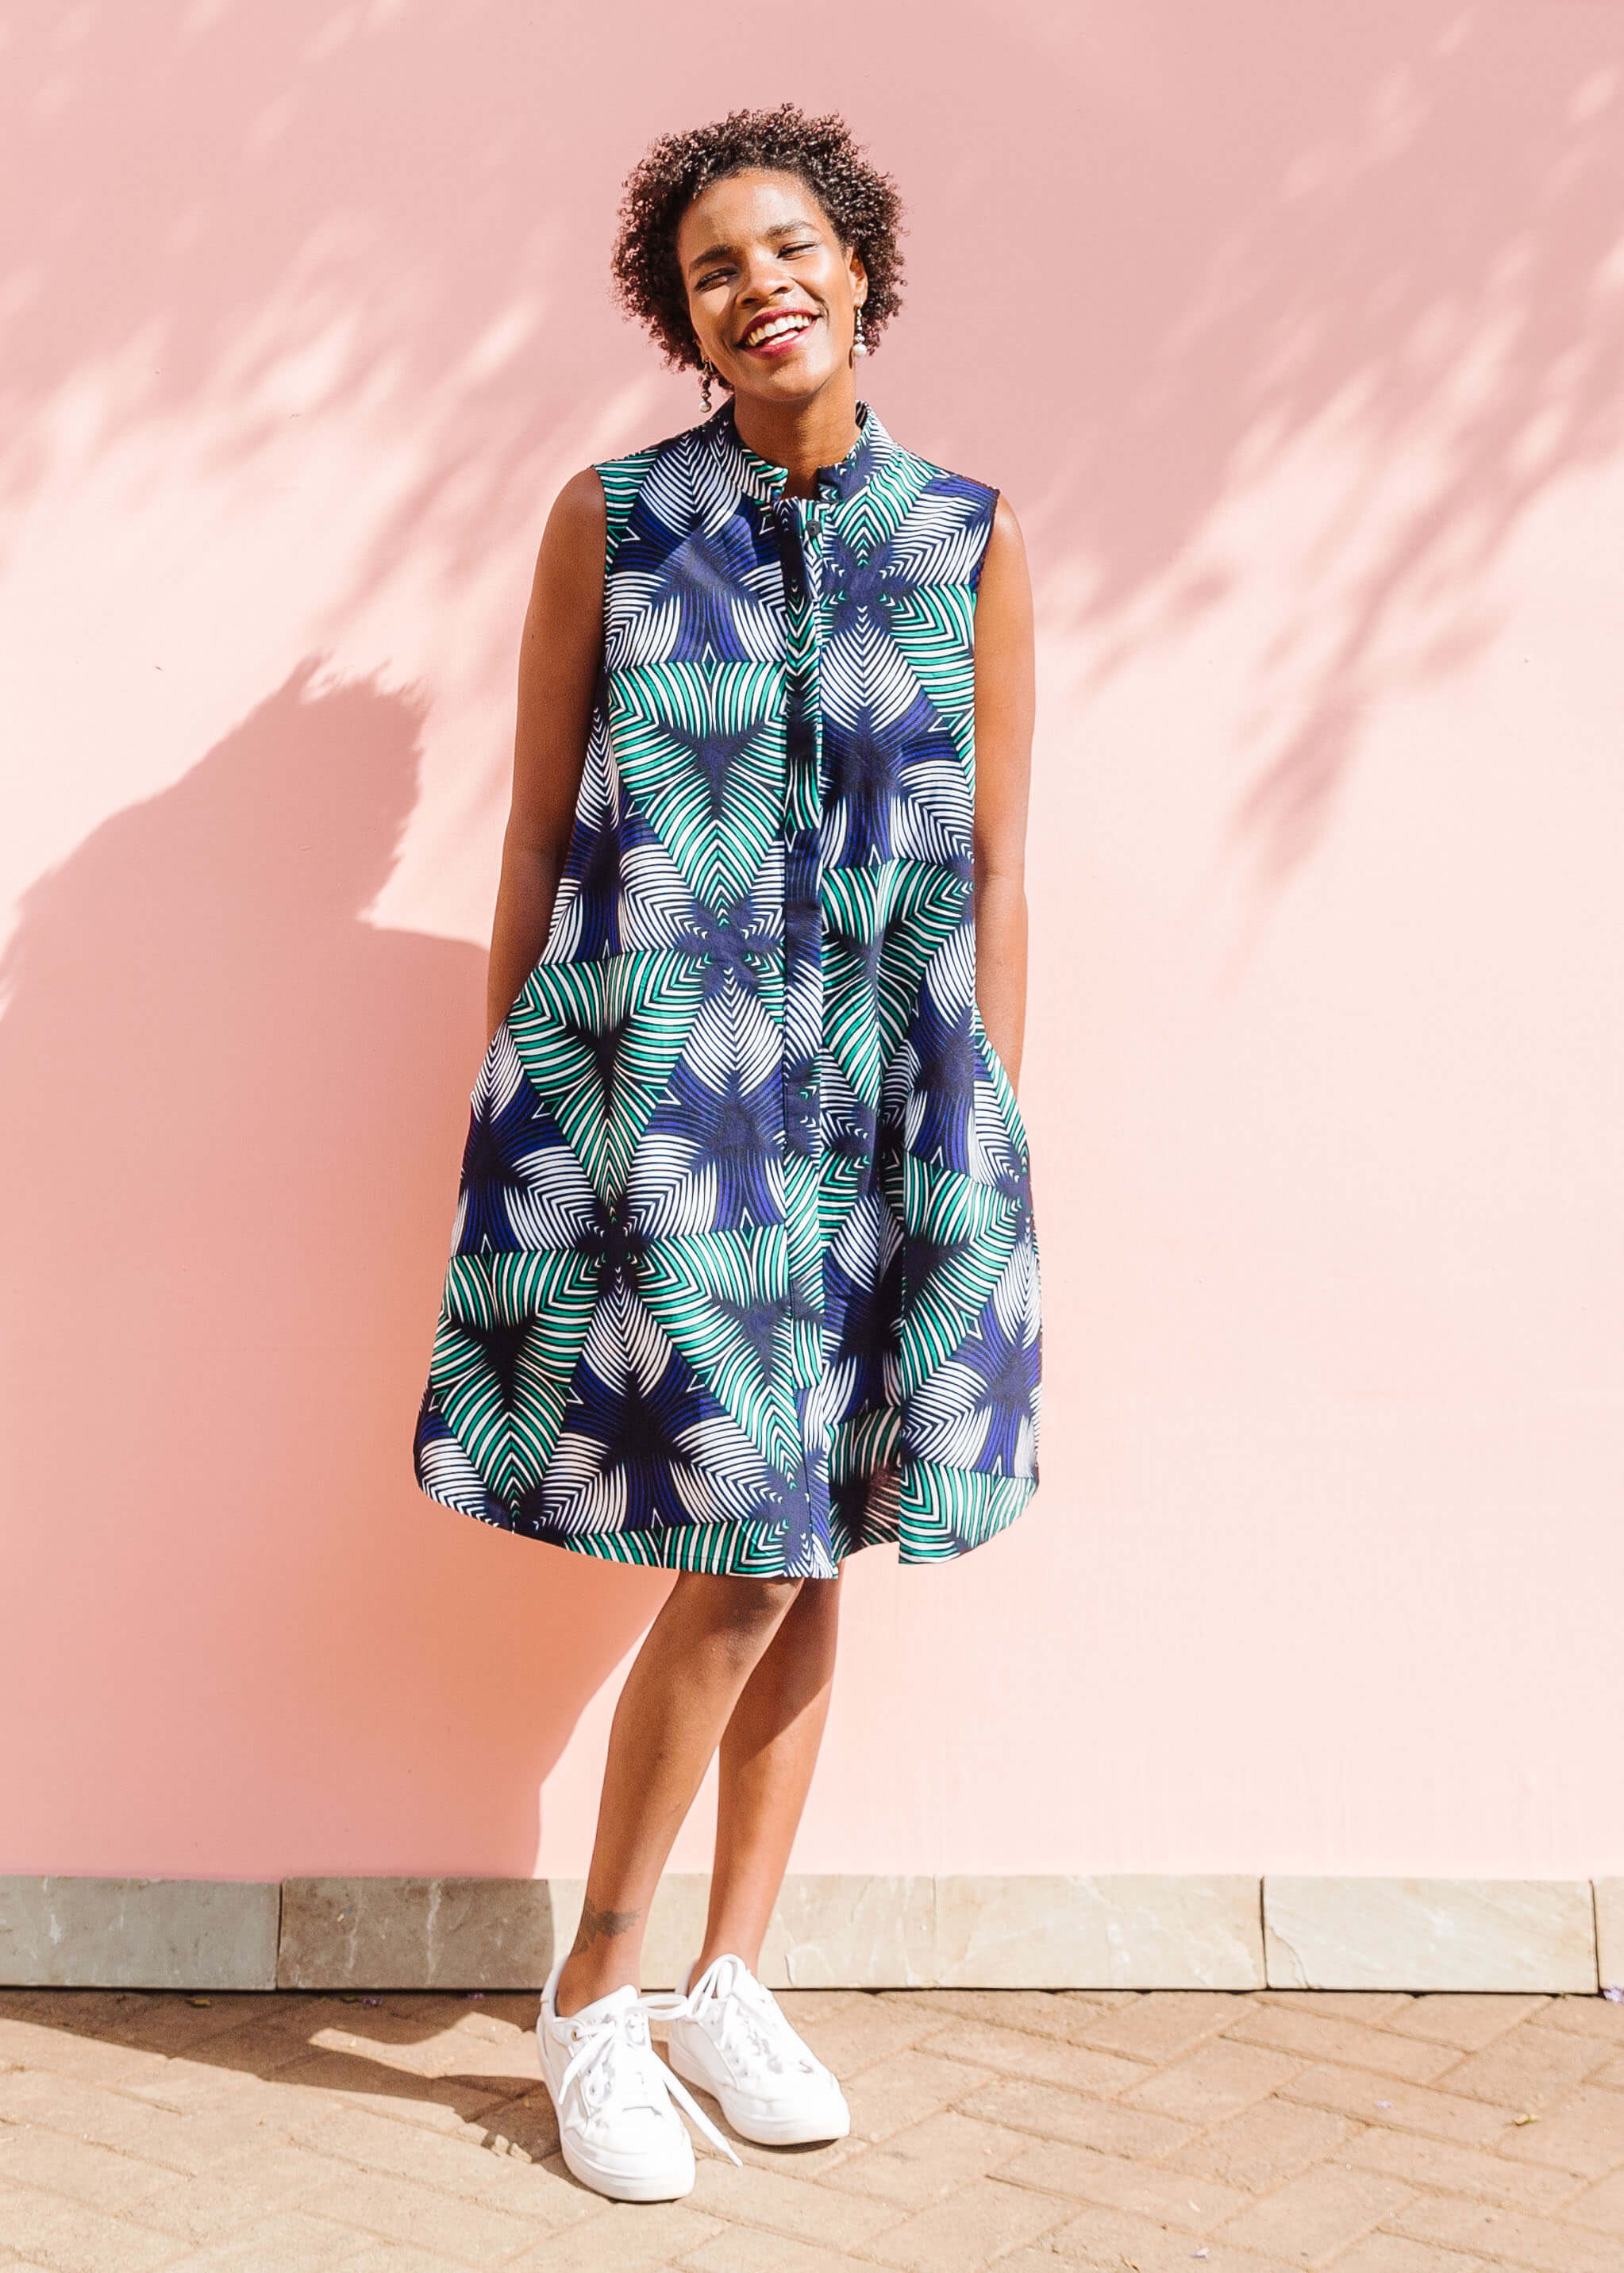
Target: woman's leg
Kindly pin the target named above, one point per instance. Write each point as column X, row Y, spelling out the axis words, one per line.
column 696, row 1660
column 769, row 1752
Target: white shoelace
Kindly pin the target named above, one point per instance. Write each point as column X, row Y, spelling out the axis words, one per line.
column 615, row 2059
column 751, row 2023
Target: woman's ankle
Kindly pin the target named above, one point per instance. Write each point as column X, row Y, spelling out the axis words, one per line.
column 585, row 1977
column 726, row 1944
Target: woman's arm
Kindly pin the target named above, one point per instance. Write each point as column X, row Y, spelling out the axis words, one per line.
column 1005, row 695
column 559, row 658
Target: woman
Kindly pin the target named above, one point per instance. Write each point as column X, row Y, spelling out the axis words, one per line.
column 745, row 1276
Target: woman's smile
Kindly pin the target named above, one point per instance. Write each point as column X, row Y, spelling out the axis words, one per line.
column 776, row 331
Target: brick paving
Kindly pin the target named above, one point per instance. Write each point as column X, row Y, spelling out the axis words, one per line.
column 1242, row 2133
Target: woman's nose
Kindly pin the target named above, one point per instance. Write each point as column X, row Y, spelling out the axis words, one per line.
column 765, row 277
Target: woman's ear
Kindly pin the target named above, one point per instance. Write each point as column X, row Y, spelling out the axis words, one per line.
column 860, row 275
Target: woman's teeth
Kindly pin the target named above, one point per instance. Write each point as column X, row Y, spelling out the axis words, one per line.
column 777, row 329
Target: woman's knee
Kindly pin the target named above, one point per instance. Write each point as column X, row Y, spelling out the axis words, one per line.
column 745, row 1613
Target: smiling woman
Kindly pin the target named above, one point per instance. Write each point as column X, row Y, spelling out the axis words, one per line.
column 746, row 1275
column 734, row 233
column 836, row 197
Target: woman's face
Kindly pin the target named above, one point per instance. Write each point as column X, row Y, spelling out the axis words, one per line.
column 771, row 290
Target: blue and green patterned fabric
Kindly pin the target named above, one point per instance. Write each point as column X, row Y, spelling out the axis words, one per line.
column 745, row 1272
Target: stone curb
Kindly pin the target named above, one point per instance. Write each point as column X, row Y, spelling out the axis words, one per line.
column 1222, row 1932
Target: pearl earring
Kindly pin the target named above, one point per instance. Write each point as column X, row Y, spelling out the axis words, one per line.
column 860, row 346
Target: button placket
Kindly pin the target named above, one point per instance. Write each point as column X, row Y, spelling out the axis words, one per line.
column 803, row 816
column 803, row 964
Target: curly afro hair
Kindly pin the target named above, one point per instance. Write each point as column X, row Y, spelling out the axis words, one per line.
column 863, row 203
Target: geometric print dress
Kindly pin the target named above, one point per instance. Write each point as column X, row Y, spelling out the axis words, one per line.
column 744, row 1272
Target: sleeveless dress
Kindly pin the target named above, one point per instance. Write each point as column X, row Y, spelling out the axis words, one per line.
column 745, row 1275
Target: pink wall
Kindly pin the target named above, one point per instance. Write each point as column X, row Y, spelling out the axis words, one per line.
column 1296, row 337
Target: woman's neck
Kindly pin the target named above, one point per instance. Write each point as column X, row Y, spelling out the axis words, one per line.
column 803, row 436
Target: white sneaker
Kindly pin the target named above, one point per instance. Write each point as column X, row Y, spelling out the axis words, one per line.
column 728, row 2034
column 618, row 2129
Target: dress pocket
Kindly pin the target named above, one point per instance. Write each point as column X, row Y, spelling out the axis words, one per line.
column 487, row 1063
column 1002, row 1087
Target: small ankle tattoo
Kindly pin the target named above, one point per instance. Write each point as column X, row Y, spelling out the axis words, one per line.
column 601, row 1925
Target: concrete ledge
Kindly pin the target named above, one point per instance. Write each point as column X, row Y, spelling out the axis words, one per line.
column 848, row 1930
column 418, row 1933
column 836, row 1930
column 138, row 1933
column 1530, row 1934
column 1124, row 1932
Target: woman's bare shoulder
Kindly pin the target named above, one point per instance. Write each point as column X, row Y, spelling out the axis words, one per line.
column 579, row 515
column 1005, row 545
column 1004, row 580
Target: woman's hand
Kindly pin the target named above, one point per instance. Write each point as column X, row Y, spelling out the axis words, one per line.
column 1005, row 697
column 559, row 659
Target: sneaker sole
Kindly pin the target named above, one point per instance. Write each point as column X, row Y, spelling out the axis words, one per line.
column 618, row 2186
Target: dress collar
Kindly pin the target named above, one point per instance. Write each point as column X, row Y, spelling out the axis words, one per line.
column 760, row 478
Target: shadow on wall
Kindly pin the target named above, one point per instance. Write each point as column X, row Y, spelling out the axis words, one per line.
column 1158, row 247
column 1382, row 246
column 227, row 1173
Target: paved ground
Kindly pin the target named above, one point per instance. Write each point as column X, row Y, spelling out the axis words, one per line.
column 411, row 2134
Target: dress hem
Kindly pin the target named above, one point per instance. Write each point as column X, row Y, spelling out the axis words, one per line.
column 938, row 1514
